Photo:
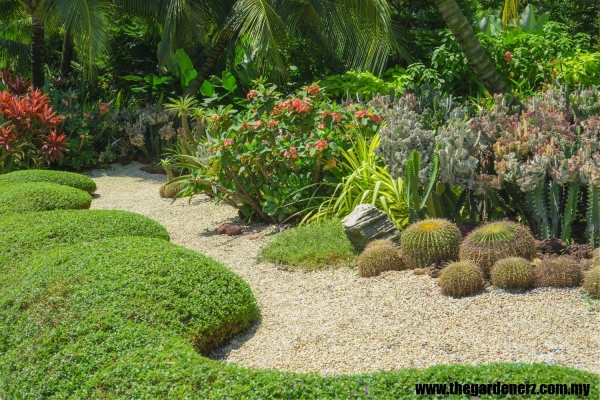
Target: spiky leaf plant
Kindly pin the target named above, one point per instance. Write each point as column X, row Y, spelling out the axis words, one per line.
column 491, row 242
column 460, row 279
column 379, row 256
column 562, row 271
column 591, row 283
column 431, row 241
column 512, row 273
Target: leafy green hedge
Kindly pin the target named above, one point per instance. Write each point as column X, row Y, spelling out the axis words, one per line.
column 71, row 179
column 22, row 234
column 41, row 196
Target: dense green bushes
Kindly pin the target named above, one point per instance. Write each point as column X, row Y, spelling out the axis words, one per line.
column 77, row 181
column 22, row 234
column 41, row 196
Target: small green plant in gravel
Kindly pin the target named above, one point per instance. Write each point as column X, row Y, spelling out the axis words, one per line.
column 71, row 179
column 23, row 234
column 460, row 279
column 561, row 271
column 432, row 241
column 591, row 282
column 41, row 196
column 512, row 273
column 491, row 242
column 379, row 256
column 311, row 246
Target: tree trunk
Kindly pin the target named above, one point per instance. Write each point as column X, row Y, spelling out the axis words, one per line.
column 476, row 55
column 37, row 51
column 208, row 65
column 67, row 57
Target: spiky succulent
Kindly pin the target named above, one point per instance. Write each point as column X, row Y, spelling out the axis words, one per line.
column 379, row 256
column 562, row 271
column 512, row 273
column 491, row 242
column 431, row 241
column 591, row 283
column 461, row 279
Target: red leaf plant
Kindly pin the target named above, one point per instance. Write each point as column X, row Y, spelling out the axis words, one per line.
column 53, row 148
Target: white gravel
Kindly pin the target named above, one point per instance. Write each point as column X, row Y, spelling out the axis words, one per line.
column 334, row 322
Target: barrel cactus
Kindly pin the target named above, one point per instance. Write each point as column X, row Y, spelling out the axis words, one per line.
column 562, row 271
column 591, row 283
column 431, row 241
column 460, row 279
column 512, row 273
column 379, row 256
column 491, row 242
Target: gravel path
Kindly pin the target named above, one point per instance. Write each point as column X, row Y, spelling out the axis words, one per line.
column 334, row 322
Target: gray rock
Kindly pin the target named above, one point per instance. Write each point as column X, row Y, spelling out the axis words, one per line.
column 367, row 223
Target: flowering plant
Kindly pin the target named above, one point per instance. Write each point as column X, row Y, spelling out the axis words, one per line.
column 270, row 161
column 28, row 128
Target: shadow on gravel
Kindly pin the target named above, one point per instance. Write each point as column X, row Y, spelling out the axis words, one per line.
column 235, row 342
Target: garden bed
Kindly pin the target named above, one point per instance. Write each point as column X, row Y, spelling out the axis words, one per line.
column 331, row 321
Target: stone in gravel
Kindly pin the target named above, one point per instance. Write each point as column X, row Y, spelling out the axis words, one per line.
column 367, row 223
column 550, row 246
column 420, row 271
column 581, row 251
column 435, row 271
column 222, row 229
column 233, row 230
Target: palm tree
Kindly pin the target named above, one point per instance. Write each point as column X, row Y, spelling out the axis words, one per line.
column 85, row 23
column 476, row 55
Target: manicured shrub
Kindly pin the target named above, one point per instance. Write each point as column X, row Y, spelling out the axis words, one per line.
column 41, row 196
column 562, row 271
column 22, row 234
column 71, row 179
column 460, row 279
column 432, row 241
column 512, row 273
column 591, row 282
column 378, row 256
column 491, row 242
column 142, row 280
column 311, row 246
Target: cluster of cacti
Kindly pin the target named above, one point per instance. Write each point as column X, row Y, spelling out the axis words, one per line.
column 461, row 279
column 494, row 241
column 379, row 256
column 561, row 271
column 512, row 273
column 431, row 241
column 457, row 147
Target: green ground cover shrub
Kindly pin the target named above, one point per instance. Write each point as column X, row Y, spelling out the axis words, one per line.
column 41, row 196
column 311, row 246
column 77, row 181
column 23, row 234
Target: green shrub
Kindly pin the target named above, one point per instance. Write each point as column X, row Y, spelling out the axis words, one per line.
column 512, row 273
column 118, row 319
column 22, row 234
column 491, row 242
column 432, row 241
column 562, row 271
column 41, row 196
column 379, row 256
column 311, row 246
column 76, row 181
column 460, row 279
column 591, row 282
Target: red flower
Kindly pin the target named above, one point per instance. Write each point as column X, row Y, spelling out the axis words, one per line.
column 104, row 108
column 292, row 154
column 251, row 94
column 336, row 116
column 375, row 118
column 272, row 123
column 313, row 90
column 228, row 142
column 508, row 56
column 321, row 145
column 257, row 125
column 53, row 149
column 360, row 114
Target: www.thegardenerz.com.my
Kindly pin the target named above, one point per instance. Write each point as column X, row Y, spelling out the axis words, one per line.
column 477, row 389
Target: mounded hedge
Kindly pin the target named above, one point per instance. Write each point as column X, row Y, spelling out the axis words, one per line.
column 22, row 234
column 71, row 179
column 128, row 318
column 41, row 196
